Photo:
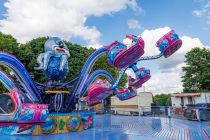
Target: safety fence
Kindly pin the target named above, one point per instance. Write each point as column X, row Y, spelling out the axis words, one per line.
column 190, row 113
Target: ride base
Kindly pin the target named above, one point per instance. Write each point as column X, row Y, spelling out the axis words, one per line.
column 56, row 123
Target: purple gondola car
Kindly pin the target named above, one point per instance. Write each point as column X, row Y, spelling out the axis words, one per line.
column 125, row 94
column 22, row 113
column 142, row 75
column 120, row 56
column 99, row 90
column 169, row 43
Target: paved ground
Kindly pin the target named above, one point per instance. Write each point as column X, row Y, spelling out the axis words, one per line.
column 109, row 127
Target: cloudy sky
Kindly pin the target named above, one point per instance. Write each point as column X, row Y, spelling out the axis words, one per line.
column 100, row 22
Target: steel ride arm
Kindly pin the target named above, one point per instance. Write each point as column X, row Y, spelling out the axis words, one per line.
column 22, row 75
column 85, row 73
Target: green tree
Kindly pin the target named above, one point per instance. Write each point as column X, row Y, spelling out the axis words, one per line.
column 197, row 70
column 7, row 44
column 162, row 99
column 28, row 54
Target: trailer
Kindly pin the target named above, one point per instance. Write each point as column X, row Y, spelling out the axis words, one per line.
column 139, row 105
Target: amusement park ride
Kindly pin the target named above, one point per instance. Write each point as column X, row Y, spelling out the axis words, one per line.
column 49, row 108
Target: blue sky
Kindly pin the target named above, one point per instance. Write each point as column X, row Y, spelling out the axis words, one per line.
column 157, row 13
column 100, row 22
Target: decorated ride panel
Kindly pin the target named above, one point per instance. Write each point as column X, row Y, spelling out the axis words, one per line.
column 66, row 122
column 33, row 113
column 169, row 43
column 54, row 124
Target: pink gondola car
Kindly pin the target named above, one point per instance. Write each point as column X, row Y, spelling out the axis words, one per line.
column 23, row 113
column 120, row 56
column 169, row 43
column 125, row 94
column 99, row 90
column 142, row 75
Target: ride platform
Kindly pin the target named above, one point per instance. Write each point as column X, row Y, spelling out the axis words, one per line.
column 55, row 123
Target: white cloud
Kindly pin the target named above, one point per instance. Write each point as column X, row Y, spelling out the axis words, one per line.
column 65, row 18
column 167, row 79
column 95, row 46
column 133, row 24
column 164, row 83
column 199, row 13
column 204, row 11
column 133, row 4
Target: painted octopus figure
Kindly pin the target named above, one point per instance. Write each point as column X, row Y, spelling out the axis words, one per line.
column 54, row 61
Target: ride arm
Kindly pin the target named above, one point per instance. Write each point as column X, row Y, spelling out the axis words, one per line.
column 140, row 59
column 22, row 75
column 149, row 57
column 84, row 73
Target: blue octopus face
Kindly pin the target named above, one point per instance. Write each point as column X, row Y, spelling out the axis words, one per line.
column 56, row 45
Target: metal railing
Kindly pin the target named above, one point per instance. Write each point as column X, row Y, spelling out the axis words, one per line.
column 190, row 113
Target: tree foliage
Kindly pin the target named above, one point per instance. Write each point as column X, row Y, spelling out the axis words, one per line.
column 7, row 44
column 27, row 53
column 162, row 99
column 197, row 70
